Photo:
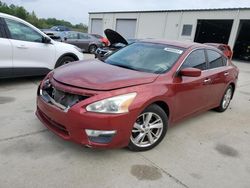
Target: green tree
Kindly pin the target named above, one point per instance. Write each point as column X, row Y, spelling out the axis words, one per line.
column 41, row 23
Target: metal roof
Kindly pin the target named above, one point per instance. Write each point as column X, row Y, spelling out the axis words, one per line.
column 178, row 10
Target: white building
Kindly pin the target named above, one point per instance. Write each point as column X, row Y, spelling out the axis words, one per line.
column 230, row 26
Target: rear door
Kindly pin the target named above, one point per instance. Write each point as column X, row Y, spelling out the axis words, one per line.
column 192, row 93
column 30, row 54
column 6, row 62
column 219, row 73
column 84, row 40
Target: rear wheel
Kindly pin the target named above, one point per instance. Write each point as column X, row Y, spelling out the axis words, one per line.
column 92, row 48
column 149, row 129
column 64, row 60
column 226, row 99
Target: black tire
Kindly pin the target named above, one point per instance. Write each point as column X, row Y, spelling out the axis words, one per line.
column 64, row 60
column 222, row 107
column 163, row 116
column 92, row 48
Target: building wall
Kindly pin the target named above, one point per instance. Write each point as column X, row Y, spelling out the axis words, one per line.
column 169, row 25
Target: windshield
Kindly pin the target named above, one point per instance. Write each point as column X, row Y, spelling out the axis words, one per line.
column 146, row 57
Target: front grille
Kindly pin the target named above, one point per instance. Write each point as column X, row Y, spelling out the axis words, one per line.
column 56, row 96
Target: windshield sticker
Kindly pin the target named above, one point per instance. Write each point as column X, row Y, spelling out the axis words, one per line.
column 173, row 50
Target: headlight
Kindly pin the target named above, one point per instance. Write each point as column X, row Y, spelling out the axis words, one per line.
column 116, row 105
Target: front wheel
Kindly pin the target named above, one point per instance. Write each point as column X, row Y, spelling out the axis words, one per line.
column 64, row 60
column 226, row 99
column 149, row 129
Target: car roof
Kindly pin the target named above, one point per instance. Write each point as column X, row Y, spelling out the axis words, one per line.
column 180, row 44
column 216, row 44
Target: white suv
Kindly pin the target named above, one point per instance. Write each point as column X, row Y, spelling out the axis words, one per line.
column 27, row 51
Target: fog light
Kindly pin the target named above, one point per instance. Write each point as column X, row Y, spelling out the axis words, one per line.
column 96, row 133
column 100, row 136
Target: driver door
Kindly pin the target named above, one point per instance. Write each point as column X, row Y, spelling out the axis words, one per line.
column 192, row 93
column 30, row 54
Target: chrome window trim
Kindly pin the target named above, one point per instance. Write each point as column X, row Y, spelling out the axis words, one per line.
column 222, row 55
column 177, row 70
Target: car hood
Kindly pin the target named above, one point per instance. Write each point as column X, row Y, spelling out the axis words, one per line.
column 114, row 37
column 96, row 75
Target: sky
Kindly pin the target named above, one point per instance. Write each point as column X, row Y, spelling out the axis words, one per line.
column 76, row 11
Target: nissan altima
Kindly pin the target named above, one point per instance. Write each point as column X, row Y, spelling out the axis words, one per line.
column 132, row 98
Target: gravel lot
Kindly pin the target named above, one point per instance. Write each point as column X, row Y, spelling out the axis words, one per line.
column 209, row 150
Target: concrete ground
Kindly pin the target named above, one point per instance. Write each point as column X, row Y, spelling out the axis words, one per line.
column 209, row 150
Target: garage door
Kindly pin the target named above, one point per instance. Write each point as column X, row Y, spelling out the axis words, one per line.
column 126, row 27
column 217, row 31
column 97, row 26
column 242, row 44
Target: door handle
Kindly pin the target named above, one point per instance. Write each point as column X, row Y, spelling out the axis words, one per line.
column 207, row 80
column 226, row 73
column 22, row 46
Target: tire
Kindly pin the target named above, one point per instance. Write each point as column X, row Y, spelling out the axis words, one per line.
column 140, row 135
column 64, row 60
column 226, row 99
column 92, row 48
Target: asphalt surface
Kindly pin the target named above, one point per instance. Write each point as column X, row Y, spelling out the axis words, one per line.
column 209, row 150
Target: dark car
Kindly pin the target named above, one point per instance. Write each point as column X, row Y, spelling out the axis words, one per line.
column 85, row 41
column 60, row 28
column 133, row 97
column 226, row 49
column 55, row 35
column 56, row 32
column 116, row 42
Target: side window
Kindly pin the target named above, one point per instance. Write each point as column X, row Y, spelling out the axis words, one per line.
column 195, row 60
column 215, row 59
column 72, row 36
column 83, row 36
column 19, row 31
column 1, row 31
column 224, row 61
column 1, row 28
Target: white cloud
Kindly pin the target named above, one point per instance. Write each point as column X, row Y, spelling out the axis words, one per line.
column 76, row 11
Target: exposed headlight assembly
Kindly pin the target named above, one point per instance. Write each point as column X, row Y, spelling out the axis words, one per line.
column 113, row 105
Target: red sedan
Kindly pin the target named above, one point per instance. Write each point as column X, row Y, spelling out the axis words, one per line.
column 133, row 97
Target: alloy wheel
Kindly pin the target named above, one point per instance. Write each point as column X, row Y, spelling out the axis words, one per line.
column 147, row 129
column 227, row 98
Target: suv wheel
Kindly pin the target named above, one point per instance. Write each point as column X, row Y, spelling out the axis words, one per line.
column 64, row 60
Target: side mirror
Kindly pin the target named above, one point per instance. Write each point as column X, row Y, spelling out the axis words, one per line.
column 46, row 40
column 190, row 72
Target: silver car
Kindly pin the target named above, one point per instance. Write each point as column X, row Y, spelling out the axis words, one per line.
column 87, row 42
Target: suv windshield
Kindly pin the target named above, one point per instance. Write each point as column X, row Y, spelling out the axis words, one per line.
column 146, row 57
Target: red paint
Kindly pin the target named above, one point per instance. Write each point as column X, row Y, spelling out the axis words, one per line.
column 190, row 72
column 183, row 95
